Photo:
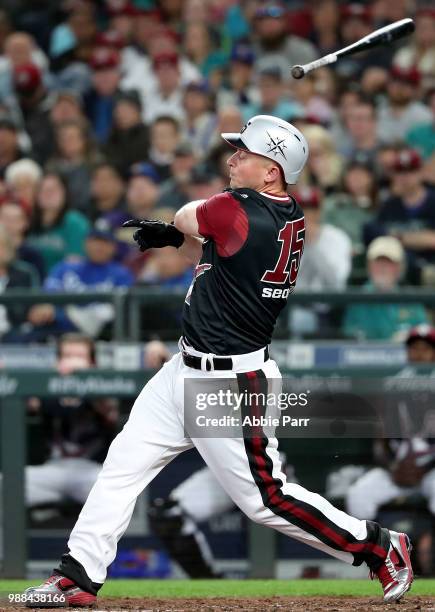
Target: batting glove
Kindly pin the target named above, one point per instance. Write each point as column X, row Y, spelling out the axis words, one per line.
column 153, row 234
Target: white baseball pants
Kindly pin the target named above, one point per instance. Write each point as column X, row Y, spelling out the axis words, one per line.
column 248, row 470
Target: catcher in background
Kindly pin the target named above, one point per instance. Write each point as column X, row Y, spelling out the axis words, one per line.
column 406, row 465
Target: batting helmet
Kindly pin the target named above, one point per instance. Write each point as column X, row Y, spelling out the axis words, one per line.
column 276, row 139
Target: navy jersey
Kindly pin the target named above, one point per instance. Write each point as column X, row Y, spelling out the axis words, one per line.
column 253, row 244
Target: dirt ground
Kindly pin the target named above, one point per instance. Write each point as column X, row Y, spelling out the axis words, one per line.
column 275, row 604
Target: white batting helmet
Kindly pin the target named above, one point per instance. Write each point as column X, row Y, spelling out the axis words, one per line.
column 276, row 139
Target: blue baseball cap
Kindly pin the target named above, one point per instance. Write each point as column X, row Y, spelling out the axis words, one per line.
column 271, row 9
column 101, row 234
column 243, row 53
column 145, row 169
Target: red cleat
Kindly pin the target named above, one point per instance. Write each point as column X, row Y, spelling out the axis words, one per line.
column 395, row 574
column 58, row 592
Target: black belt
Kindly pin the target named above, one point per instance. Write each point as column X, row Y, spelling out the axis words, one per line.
column 219, row 363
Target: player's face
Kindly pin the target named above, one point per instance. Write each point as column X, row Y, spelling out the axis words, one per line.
column 246, row 170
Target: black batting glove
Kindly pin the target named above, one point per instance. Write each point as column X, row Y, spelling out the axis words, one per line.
column 153, row 234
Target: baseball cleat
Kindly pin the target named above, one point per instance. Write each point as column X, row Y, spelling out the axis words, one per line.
column 395, row 574
column 58, row 592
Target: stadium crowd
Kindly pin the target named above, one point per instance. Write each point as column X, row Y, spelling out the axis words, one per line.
column 112, row 109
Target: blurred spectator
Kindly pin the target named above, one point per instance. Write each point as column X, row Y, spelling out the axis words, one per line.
column 167, row 268
column 14, row 274
column 156, row 353
column 19, row 49
column 57, row 232
column 14, row 217
column 229, row 119
column 165, row 137
column 204, row 184
column 166, row 98
column 22, row 180
column 67, row 106
column 78, row 433
column 96, row 272
column 386, row 266
column 239, row 89
column 326, row 262
column 324, row 167
column 217, row 161
column 201, row 45
column 9, row 145
column 34, row 103
column 123, row 16
column 129, row 140
column 200, row 121
column 420, row 52
column 173, row 191
column 408, row 214
column 272, row 97
column 325, row 16
column 100, row 99
column 354, row 205
column 305, row 93
column 422, row 135
column 361, row 125
column 347, row 100
column 108, row 190
column 325, row 265
column 402, row 109
column 273, row 45
column 75, row 153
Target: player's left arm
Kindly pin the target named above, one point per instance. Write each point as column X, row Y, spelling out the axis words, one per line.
column 185, row 219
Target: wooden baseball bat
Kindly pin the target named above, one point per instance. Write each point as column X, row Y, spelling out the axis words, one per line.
column 382, row 36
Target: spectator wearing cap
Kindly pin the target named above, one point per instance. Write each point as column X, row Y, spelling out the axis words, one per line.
column 273, row 44
column 15, row 218
column 166, row 98
column 402, row 109
column 10, row 150
column 129, row 138
column 34, row 103
column 204, row 183
column 409, row 213
column 142, row 191
column 166, row 268
column 419, row 53
column 22, row 179
column 56, row 231
column 323, row 267
column 240, row 90
column 165, row 137
column 100, row 99
column 386, row 264
column 200, row 121
column 422, row 137
column 98, row 271
column 14, row 274
column 19, row 49
column 173, row 191
column 272, row 97
column 74, row 156
column 355, row 203
column 304, row 92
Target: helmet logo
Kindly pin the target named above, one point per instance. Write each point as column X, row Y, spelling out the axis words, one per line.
column 276, row 146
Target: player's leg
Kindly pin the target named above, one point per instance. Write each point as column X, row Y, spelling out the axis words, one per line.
column 82, row 475
column 151, row 438
column 371, row 491
column 175, row 520
column 249, row 469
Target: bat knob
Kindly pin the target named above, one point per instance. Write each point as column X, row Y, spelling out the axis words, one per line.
column 297, row 72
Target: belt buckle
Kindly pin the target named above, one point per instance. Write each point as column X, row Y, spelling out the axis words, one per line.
column 207, row 363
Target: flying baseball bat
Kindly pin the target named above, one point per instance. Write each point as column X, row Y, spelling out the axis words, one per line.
column 382, row 36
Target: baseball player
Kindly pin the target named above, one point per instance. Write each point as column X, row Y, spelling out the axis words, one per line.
column 247, row 243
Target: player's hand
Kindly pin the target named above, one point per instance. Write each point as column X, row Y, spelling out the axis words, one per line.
column 153, row 234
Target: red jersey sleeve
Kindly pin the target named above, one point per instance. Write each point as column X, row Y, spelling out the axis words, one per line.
column 223, row 219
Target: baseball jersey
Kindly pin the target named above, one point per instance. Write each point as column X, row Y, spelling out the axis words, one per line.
column 253, row 243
